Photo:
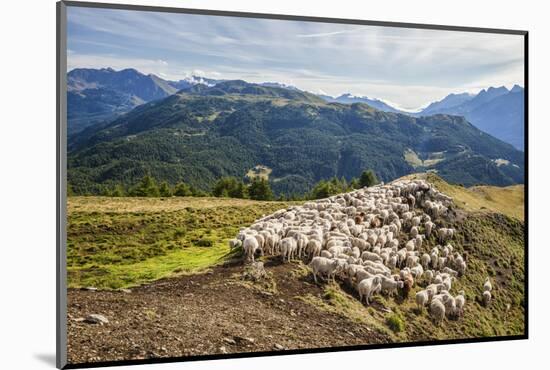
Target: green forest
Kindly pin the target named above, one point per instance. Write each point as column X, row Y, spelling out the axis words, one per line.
column 231, row 187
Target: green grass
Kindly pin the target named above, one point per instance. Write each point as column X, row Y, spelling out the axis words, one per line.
column 336, row 300
column 508, row 200
column 116, row 242
column 122, row 242
column 395, row 323
column 494, row 243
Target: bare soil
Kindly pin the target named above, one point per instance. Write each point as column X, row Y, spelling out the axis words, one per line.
column 209, row 313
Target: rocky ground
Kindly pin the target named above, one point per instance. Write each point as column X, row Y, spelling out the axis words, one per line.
column 210, row 313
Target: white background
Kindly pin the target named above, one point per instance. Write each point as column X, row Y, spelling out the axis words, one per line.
column 27, row 181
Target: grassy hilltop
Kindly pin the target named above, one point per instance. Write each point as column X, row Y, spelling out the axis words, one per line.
column 124, row 242
column 121, row 242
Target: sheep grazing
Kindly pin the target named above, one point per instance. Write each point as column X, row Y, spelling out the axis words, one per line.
column 250, row 245
column 423, row 298
column 314, row 248
column 389, row 285
column 323, row 266
column 437, row 311
column 487, row 286
column 460, row 301
column 367, row 287
column 377, row 239
column 486, row 298
column 445, row 234
column 235, row 243
column 288, row 248
column 428, row 226
column 408, row 284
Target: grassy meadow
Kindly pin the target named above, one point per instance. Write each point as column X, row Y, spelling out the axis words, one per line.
column 120, row 242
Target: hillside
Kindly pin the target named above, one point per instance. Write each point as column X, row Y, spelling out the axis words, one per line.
column 95, row 96
column 509, row 200
column 204, row 133
column 125, row 242
column 497, row 111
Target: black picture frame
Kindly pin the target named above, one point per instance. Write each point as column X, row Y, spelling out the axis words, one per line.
column 61, row 176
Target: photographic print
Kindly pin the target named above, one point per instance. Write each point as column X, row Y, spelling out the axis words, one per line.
column 244, row 185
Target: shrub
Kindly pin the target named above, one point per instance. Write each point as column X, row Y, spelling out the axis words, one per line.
column 396, row 323
column 203, row 242
column 368, row 178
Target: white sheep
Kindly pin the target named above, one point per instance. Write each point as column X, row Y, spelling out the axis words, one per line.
column 460, row 301
column 437, row 310
column 367, row 287
column 486, row 297
column 487, row 286
column 389, row 285
column 323, row 266
column 235, row 243
column 250, row 245
column 313, row 248
column 422, row 298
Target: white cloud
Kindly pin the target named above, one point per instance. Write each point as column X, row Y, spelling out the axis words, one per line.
column 408, row 66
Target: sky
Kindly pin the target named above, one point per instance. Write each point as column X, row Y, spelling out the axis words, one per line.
column 408, row 68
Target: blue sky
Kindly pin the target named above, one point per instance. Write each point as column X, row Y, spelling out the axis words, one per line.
column 406, row 67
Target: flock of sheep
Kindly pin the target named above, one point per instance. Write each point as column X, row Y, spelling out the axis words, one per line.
column 373, row 238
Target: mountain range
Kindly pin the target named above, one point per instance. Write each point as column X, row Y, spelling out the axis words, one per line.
column 497, row 111
column 98, row 95
column 232, row 128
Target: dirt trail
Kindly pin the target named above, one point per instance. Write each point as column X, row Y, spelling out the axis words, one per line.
column 210, row 313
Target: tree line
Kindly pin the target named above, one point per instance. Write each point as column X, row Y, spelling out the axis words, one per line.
column 257, row 188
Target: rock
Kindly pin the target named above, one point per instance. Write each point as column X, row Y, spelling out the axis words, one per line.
column 229, row 341
column 223, row 349
column 127, row 291
column 267, row 294
column 292, row 313
column 79, row 319
column 278, row 346
column 90, row 288
column 255, row 271
column 96, row 319
column 245, row 340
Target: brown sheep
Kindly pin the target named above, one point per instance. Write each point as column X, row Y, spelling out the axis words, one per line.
column 360, row 218
column 408, row 283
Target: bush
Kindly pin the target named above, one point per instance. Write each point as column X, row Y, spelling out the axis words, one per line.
column 182, row 190
column 147, row 187
column 259, row 189
column 368, row 178
column 396, row 323
column 164, row 190
column 229, row 187
column 203, row 242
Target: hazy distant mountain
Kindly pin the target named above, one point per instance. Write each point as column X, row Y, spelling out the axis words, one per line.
column 450, row 101
column 502, row 117
column 128, row 81
column 203, row 133
column 350, row 99
column 497, row 111
column 98, row 95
